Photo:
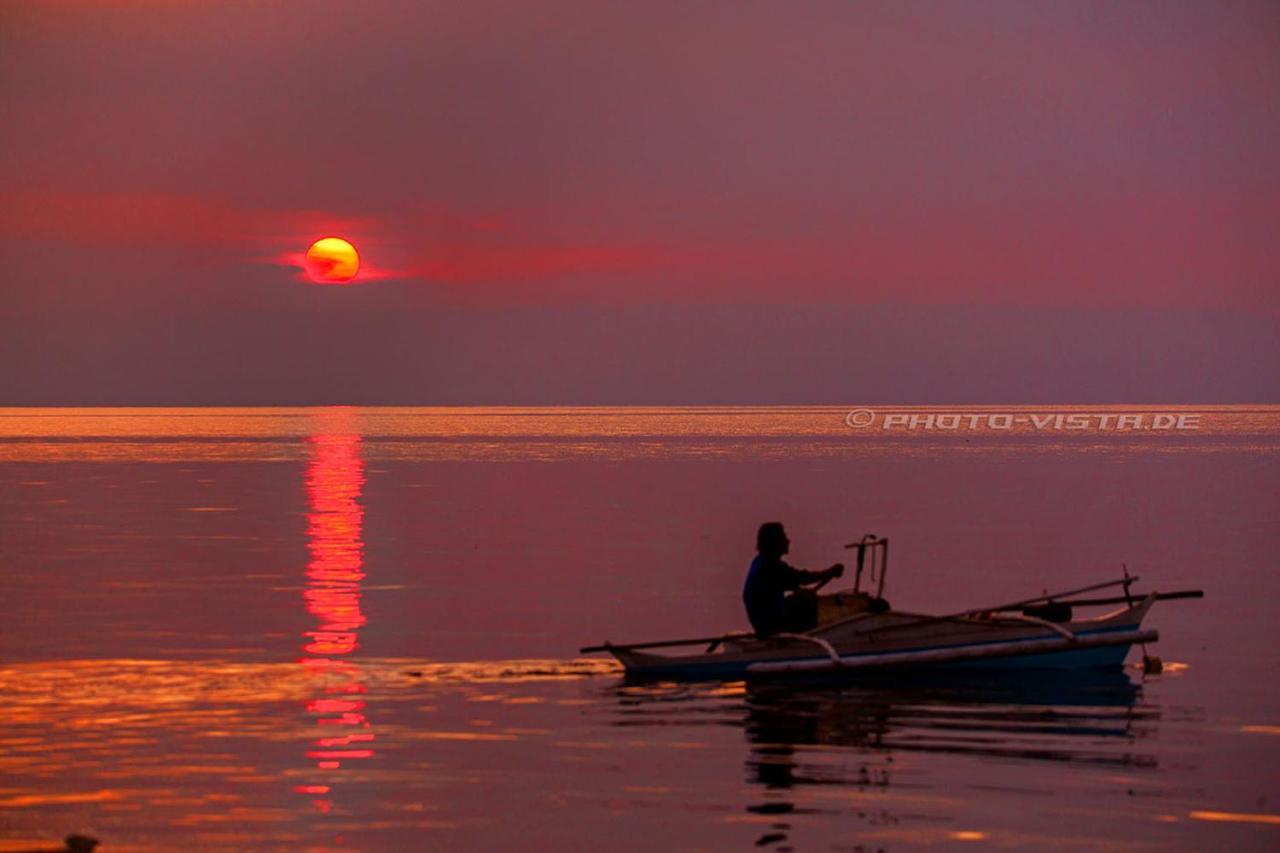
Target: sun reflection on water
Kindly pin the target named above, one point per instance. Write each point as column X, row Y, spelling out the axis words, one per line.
column 335, row 477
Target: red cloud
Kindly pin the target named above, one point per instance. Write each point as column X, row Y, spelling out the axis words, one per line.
column 1174, row 251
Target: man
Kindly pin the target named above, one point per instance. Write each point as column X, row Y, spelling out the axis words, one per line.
column 769, row 607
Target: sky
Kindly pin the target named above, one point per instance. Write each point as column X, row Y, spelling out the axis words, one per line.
column 641, row 203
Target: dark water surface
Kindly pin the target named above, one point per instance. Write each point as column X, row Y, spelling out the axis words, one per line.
column 346, row 629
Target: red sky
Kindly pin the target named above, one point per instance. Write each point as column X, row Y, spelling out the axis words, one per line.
column 587, row 202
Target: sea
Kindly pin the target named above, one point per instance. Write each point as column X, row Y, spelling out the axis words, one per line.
column 342, row 629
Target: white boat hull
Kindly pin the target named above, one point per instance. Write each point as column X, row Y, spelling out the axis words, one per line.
column 886, row 641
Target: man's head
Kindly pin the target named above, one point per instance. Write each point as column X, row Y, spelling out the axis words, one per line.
column 771, row 540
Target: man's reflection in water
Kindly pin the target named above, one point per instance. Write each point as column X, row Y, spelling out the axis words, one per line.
column 335, row 477
column 777, row 721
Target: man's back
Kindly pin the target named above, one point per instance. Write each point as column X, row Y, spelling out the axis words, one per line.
column 764, row 594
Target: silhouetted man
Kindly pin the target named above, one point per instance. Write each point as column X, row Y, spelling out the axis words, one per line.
column 769, row 580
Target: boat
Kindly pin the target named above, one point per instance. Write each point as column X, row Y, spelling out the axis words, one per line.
column 858, row 632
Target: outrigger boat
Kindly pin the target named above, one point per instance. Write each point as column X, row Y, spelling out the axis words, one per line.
column 858, row 632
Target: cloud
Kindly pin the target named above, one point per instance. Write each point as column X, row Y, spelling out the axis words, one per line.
column 1171, row 249
column 141, row 219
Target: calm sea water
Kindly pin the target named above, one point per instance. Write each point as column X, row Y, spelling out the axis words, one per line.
column 348, row 629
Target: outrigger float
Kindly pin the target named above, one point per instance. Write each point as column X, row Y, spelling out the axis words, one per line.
column 859, row 632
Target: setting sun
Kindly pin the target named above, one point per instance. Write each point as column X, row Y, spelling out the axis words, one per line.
column 332, row 259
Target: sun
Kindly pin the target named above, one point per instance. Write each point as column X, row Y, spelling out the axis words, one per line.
column 332, row 260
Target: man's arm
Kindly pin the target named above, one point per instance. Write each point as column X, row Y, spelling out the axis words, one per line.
column 801, row 577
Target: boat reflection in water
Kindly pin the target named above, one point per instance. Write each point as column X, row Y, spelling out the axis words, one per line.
column 862, row 734
column 1056, row 717
column 335, row 477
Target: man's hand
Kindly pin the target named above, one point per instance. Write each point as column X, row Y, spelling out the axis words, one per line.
column 836, row 571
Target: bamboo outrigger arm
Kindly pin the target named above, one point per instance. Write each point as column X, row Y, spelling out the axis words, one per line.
column 655, row 644
column 1012, row 605
column 1036, row 620
column 817, row 641
column 1120, row 599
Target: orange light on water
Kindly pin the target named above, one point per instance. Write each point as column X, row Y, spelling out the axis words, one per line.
column 335, row 754
column 334, row 706
column 334, row 481
column 1236, row 817
column 345, row 740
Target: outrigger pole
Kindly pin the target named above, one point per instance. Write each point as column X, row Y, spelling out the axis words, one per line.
column 1012, row 605
column 1120, row 599
column 695, row 641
